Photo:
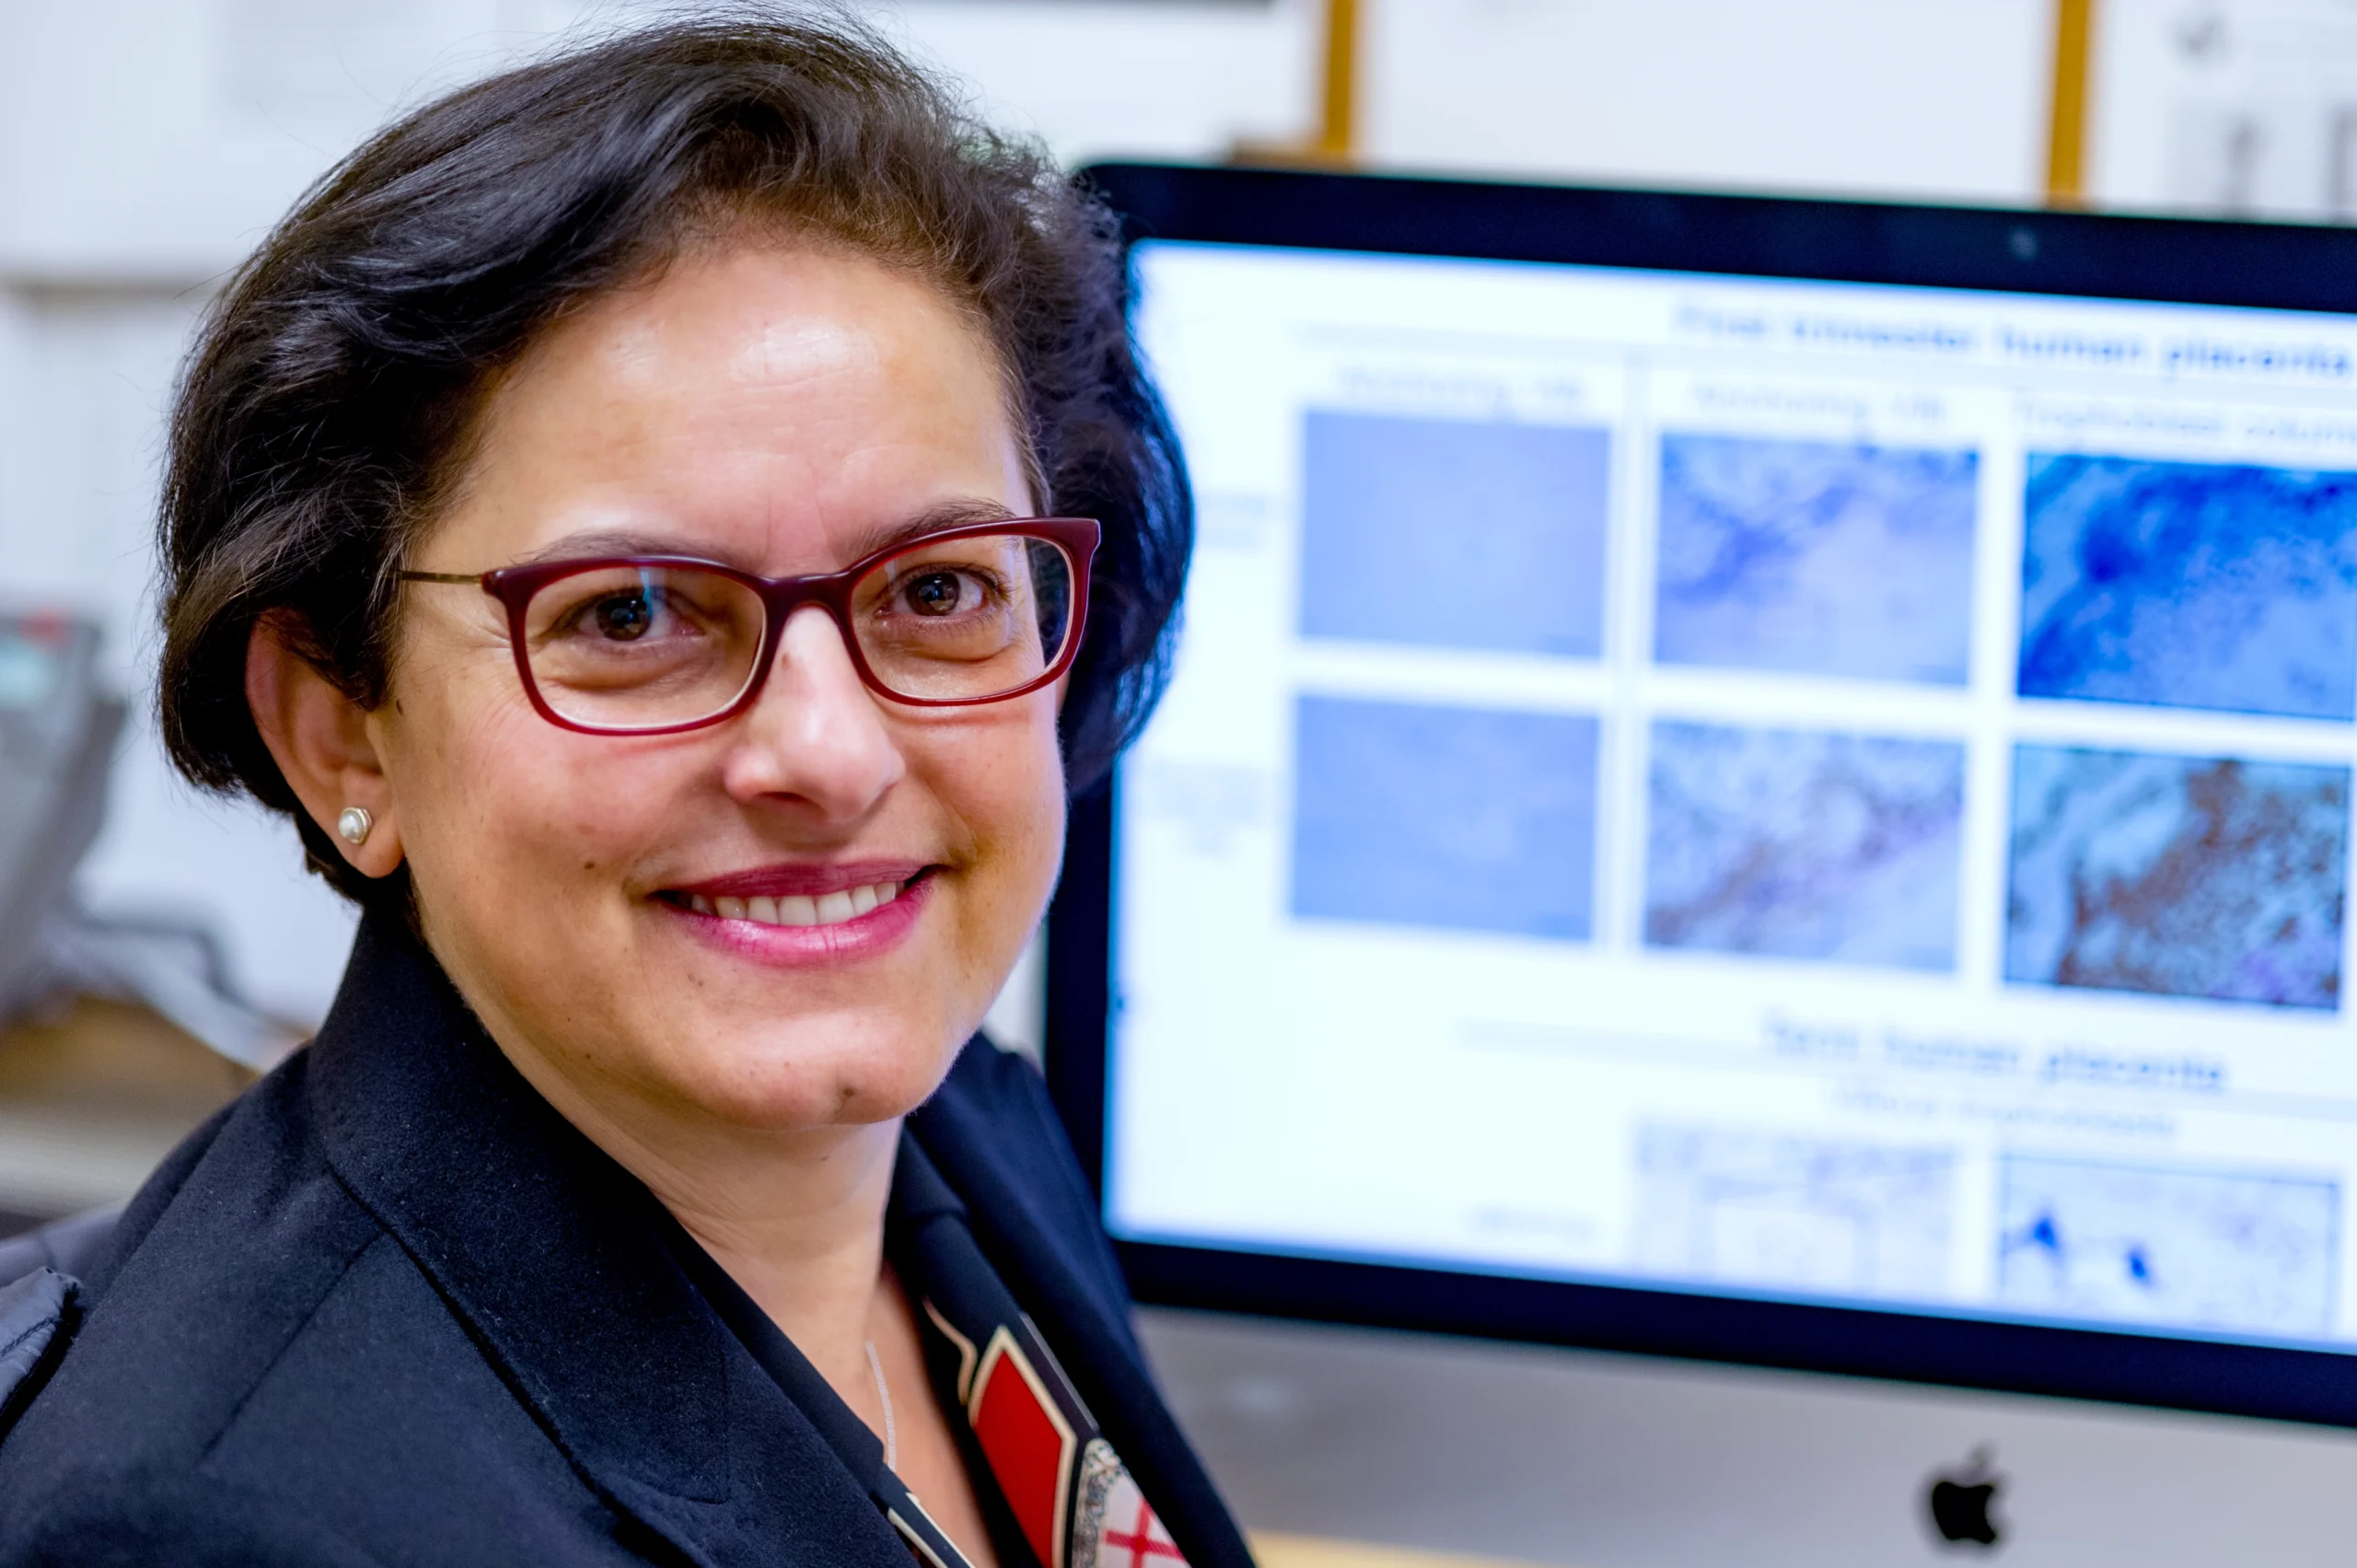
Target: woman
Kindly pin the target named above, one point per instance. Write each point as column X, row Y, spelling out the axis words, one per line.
column 605, row 516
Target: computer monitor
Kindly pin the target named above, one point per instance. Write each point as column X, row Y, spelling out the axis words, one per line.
column 1747, row 779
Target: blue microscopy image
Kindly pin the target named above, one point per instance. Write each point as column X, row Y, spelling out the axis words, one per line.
column 1817, row 558
column 1454, row 533
column 1468, row 818
column 2191, row 586
column 2200, row 877
column 1803, row 844
column 2209, row 1250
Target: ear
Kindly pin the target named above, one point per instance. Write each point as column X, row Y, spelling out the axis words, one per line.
column 319, row 739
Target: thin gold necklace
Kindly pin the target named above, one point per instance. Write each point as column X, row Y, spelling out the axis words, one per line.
column 884, row 1392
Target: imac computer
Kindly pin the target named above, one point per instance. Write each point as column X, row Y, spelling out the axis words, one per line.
column 1751, row 783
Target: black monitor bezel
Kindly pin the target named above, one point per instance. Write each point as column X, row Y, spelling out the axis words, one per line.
column 1999, row 249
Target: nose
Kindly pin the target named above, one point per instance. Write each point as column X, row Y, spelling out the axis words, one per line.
column 815, row 736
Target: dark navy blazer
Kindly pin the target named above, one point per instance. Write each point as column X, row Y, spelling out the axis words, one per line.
column 391, row 1309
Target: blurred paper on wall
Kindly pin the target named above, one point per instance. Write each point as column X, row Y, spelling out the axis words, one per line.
column 2237, row 108
column 1906, row 97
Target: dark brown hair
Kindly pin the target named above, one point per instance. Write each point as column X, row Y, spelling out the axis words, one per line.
column 330, row 394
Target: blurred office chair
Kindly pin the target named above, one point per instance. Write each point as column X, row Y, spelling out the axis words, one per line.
column 39, row 1282
column 58, row 727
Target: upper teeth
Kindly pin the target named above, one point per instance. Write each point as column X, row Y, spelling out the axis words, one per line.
column 799, row 909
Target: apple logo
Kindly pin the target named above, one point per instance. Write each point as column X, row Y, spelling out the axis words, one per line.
column 1960, row 1502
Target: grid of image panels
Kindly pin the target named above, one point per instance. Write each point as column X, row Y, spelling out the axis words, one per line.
column 2171, row 585
column 2225, row 587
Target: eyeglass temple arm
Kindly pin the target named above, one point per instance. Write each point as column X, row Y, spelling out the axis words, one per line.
column 438, row 577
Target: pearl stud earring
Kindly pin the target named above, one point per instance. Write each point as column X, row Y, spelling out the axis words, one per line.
column 353, row 825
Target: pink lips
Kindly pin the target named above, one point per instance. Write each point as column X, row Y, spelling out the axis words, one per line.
column 866, row 934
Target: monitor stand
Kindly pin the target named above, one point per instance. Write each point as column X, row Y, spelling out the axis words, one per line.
column 1547, row 1456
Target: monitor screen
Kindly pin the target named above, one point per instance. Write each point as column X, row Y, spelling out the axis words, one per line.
column 1760, row 789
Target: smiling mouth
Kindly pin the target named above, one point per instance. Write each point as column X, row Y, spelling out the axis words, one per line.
column 835, row 908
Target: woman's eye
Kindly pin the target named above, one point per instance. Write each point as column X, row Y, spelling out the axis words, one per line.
column 935, row 593
column 624, row 618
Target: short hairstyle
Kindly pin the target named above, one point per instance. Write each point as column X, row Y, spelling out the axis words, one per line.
column 334, row 390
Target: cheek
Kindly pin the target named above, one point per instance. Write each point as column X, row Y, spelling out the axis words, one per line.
column 501, row 807
column 999, row 776
column 1025, row 787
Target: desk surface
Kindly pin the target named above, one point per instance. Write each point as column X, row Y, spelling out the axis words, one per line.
column 91, row 1098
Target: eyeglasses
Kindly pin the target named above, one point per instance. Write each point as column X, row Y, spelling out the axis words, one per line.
column 649, row 645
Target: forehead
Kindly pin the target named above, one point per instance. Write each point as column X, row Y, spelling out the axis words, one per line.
column 775, row 405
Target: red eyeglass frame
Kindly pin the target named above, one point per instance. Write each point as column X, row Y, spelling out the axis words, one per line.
column 514, row 587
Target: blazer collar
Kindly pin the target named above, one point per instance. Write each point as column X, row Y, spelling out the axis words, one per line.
column 1040, row 1260
column 552, row 1254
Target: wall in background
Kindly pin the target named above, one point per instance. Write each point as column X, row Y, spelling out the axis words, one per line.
column 1928, row 99
column 2241, row 106
column 158, row 139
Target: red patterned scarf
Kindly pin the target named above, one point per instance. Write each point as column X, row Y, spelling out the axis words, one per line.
column 1073, row 1500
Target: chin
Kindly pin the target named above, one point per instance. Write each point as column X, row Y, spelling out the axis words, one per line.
column 856, row 1077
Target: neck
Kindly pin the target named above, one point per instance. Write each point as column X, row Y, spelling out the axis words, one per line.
column 803, row 1233
column 796, row 1218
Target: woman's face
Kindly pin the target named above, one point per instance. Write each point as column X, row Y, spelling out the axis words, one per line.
column 783, row 410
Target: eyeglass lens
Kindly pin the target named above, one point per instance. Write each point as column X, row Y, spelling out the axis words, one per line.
column 647, row 647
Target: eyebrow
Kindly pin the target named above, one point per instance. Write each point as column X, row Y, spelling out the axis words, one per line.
column 955, row 512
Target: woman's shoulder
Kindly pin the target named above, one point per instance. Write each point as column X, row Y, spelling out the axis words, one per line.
column 197, row 1209
column 104, row 1513
column 242, row 1212
column 265, row 1374
column 220, row 1256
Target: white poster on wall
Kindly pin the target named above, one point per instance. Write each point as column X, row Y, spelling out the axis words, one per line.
column 2235, row 108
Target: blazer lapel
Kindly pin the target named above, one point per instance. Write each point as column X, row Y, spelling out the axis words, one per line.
column 1089, row 1333
column 551, row 1253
